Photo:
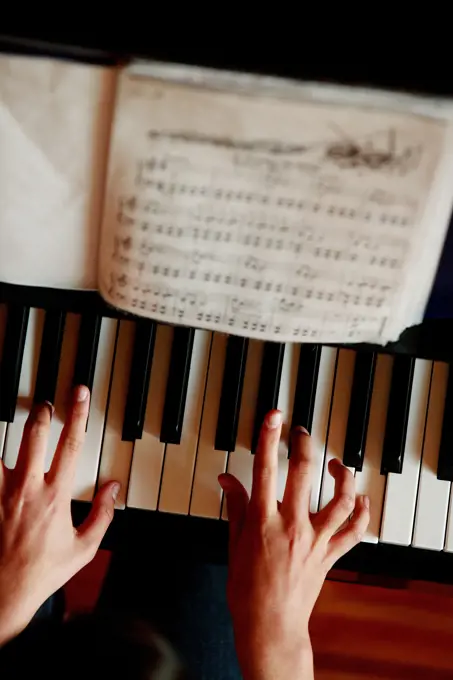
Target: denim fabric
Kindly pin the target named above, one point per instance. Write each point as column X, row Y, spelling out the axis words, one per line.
column 52, row 609
column 185, row 601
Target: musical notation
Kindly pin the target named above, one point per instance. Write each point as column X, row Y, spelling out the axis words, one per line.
column 252, row 234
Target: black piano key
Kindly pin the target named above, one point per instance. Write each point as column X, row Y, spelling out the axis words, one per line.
column 139, row 376
column 13, row 352
column 397, row 415
column 231, row 394
column 49, row 357
column 307, row 379
column 445, row 461
column 2, row 327
column 269, row 386
column 176, row 392
column 87, row 350
column 359, row 409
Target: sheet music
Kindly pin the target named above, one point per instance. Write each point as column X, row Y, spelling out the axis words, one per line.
column 271, row 217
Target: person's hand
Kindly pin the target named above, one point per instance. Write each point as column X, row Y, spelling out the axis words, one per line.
column 40, row 550
column 280, row 554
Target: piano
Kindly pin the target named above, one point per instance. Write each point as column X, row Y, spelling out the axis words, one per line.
column 172, row 408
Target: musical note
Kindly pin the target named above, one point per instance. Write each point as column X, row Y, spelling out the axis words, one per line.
column 254, row 263
column 289, row 306
column 130, row 202
column 125, row 220
column 306, row 272
column 193, row 300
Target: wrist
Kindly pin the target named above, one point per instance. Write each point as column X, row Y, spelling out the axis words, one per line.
column 12, row 622
column 16, row 611
column 274, row 660
column 281, row 669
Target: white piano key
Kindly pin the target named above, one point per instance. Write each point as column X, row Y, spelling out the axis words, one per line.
column 401, row 492
column 3, row 430
column 321, row 412
column 88, row 464
column 64, row 382
column 206, row 493
column 285, row 405
column 287, row 390
column 240, row 461
column 3, row 425
column 448, row 547
column 179, row 459
column 369, row 480
column 433, row 494
column 338, row 420
column 148, row 455
column 116, row 454
column 26, row 386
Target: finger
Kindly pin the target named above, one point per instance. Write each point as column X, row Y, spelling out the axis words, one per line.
column 237, row 500
column 3, row 474
column 92, row 531
column 352, row 534
column 265, row 466
column 296, row 499
column 337, row 511
column 71, row 440
column 33, row 447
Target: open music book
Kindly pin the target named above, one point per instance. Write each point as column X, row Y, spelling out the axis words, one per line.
column 244, row 204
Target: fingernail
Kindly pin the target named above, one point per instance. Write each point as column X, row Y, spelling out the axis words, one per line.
column 298, row 429
column 366, row 502
column 333, row 462
column 81, row 393
column 115, row 491
column 38, row 412
column 274, row 419
column 50, row 406
column 224, row 482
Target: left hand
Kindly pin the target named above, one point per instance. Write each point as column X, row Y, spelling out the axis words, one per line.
column 40, row 550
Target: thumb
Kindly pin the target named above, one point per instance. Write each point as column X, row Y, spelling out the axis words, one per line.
column 237, row 500
column 92, row 531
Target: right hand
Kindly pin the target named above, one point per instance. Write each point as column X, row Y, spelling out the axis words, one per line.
column 280, row 554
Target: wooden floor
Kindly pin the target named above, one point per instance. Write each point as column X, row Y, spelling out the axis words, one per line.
column 368, row 632
column 359, row 632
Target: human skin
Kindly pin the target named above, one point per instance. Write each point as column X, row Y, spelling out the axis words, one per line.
column 280, row 554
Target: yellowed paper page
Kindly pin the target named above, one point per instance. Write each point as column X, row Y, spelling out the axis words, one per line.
column 299, row 213
column 54, row 129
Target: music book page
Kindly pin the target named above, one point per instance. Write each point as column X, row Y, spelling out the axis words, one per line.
column 272, row 210
column 54, row 131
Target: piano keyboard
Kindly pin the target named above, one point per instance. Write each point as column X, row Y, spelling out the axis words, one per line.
column 156, row 425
